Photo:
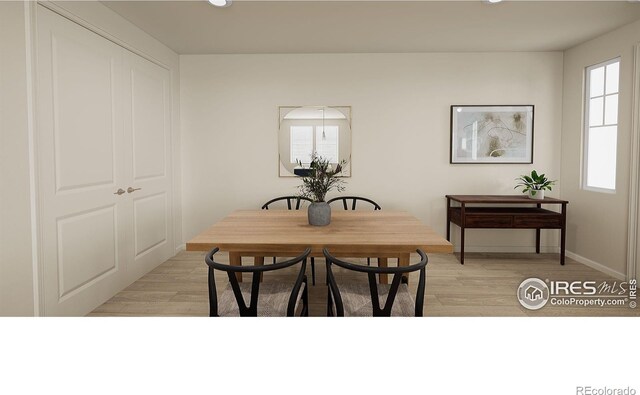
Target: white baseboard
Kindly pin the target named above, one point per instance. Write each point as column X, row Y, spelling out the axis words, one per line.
column 595, row 265
column 509, row 249
column 181, row 247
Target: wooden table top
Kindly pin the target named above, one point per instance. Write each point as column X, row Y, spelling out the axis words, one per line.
column 358, row 233
column 504, row 199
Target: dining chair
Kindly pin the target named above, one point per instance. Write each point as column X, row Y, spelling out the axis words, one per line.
column 354, row 200
column 362, row 300
column 289, row 199
column 297, row 200
column 266, row 299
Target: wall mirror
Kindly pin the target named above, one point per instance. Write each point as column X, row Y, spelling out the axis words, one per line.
column 305, row 129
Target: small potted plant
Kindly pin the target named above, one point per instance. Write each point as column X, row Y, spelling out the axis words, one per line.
column 320, row 179
column 535, row 184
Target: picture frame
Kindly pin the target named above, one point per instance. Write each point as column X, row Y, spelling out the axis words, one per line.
column 492, row 134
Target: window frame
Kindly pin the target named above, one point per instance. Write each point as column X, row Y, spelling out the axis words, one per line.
column 586, row 122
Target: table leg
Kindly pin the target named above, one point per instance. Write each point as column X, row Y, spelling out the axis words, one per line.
column 448, row 219
column 259, row 261
column 563, row 237
column 235, row 259
column 563, row 233
column 462, row 223
column 462, row 245
column 538, row 234
column 403, row 260
column 384, row 278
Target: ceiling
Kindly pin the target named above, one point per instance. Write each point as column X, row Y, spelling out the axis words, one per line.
column 195, row 27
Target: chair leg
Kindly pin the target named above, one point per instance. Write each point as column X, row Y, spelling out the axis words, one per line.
column 329, row 303
column 368, row 261
column 305, row 301
column 274, row 260
column 313, row 271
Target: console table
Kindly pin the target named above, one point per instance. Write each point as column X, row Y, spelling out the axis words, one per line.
column 506, row 211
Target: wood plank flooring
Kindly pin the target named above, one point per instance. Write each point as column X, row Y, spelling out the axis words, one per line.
column 484, row 286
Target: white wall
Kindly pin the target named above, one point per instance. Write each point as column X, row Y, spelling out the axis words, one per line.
column 598, row 222
column 16, row 271
column 400, row 104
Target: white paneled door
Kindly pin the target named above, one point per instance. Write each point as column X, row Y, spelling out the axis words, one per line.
column 103, row 156
column 148, row 155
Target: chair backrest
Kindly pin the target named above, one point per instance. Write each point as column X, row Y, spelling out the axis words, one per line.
column 257, row 270
column 399, row 275
column 289, row 199
column 354, row 200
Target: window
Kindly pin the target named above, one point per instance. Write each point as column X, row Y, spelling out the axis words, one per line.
column 304, row 142
column 601, row 126
column 301, row 144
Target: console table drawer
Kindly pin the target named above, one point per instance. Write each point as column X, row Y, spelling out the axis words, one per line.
column 488, row 221
column 537, row 221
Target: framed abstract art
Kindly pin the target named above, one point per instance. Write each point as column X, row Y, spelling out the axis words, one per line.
column 492, row 134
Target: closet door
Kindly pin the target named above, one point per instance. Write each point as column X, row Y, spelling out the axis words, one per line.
column 147, row 103
column 81, row 164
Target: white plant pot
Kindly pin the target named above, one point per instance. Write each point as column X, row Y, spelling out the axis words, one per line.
column 537, row 195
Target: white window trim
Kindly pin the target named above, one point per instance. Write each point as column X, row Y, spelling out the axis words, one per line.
column 586, row 122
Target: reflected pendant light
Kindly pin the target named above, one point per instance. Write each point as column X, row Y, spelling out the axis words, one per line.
column 324, row 135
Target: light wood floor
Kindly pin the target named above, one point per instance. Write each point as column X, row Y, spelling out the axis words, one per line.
column 485, row 286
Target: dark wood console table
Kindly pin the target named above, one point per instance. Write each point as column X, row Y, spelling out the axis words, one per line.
column 501, row 214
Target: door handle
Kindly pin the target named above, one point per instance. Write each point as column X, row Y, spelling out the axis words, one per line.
column 120, row 191
column 130, row 190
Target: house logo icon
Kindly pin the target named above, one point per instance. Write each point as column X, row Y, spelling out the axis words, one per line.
column 533, row 293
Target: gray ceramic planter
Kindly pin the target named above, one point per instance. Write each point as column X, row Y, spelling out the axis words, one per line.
column 319, row 214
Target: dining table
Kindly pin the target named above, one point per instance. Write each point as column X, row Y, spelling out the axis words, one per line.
column 382, row 234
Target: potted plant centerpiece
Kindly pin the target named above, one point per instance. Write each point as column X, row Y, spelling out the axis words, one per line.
column 320, row 179
column 535, row 184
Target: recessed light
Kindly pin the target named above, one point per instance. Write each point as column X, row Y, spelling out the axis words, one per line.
column 491, row 1
column 220, row 3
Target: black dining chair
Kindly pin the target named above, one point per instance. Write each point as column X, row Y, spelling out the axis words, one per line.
column 290, row 201
column 266, row 299
column 354, row 200
column 347, row 299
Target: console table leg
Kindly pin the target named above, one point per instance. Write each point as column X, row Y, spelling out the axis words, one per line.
column 563, row 237
column 563, row 233
column 462, row 246
column 448, row 219
column 538, row 234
